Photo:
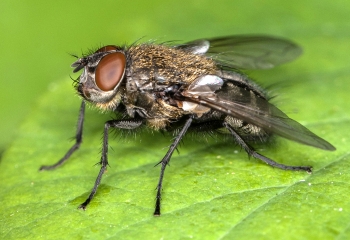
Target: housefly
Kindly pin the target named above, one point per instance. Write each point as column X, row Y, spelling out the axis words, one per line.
column 195, row 85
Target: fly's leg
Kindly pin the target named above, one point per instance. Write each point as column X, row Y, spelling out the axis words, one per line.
column 166, row 160
column 78, row 141
column 123, row 124
column 257, row 155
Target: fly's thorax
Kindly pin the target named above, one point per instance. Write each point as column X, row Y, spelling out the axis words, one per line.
column 160, row 65
column 102, row 76
column 151, row 70
column 157, row 123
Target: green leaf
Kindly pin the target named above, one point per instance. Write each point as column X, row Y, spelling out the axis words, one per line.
column 211, row 188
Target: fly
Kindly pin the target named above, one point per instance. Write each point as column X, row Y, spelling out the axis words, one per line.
column 193, row 86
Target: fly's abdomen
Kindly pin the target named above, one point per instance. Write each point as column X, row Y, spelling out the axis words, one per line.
column 247, row 131
column 242, row 92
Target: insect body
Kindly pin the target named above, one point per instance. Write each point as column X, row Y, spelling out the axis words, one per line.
column 190, row 86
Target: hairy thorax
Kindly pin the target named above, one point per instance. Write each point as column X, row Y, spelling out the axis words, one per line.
column 152, row 69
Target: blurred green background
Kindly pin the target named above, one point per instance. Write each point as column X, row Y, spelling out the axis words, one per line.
column 201, row 201
column 36, row 36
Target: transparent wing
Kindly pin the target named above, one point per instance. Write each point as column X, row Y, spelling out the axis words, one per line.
column 246, row 51
column 263, row 114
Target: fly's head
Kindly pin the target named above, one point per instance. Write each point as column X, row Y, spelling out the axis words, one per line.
column 103, row 72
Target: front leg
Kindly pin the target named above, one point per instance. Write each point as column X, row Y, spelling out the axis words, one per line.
column 121, row 124
column 78, row 141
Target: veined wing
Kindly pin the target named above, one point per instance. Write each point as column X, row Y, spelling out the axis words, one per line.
column 246, row 51
column 262, row 114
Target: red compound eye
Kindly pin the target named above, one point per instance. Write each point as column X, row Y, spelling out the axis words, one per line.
column 110, row 71
column 107, row 48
